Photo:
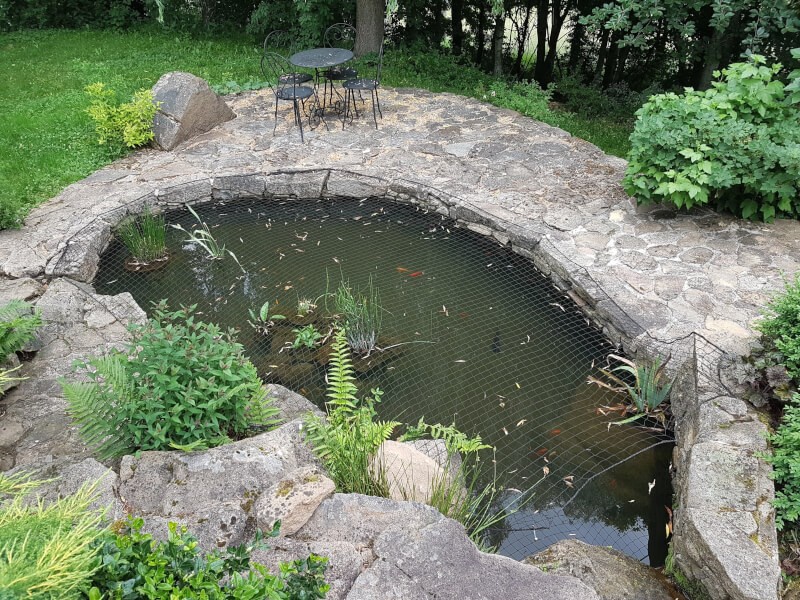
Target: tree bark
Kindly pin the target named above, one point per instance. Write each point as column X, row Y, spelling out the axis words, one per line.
column 711, row 60
column 497, row 44
column 457, row 23
column 522, row 38
column 369, row 26
column 542, row 11
column 480, row 34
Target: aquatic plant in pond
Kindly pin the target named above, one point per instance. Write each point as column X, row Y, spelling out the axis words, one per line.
column 306, row 337
column 145, row 238
column 202, row 236
column 264, row 321
column 360, row 314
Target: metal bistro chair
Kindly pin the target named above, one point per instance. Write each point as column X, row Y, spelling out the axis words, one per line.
column 278, row 72
column 282, row 40
column 351, row 86
column 340, row 35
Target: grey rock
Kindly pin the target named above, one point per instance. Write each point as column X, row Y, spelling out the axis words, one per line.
column 81, row 254
column 611, row 574
column 188, row 108
column 439, row 561
column 212, row 492
column 292, row 500
column 291, row 404
column 9, row 365
column 24, row 288
column 409, row 473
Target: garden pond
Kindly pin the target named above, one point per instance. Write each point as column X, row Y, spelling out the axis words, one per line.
column 471, row 334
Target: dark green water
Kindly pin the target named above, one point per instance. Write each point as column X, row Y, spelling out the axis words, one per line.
column 488, row 343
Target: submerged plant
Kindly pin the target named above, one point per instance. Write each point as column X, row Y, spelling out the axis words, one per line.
column 642, row 383
column 263, row 321
column 202, row 236
column 361, row 316
column 306, row 337
column 145, row 238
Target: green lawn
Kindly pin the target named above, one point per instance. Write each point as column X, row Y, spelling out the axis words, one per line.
column 46, row 137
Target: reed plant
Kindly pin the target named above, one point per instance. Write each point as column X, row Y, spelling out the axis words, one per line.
column 145, row 238
column 201, row 235
column 360, row 314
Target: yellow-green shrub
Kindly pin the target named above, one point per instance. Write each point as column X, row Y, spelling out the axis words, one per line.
column 121, row 125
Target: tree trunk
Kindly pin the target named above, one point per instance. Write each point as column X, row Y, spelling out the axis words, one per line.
column 711, row 60
column 369, row 26
column 576, row 45
column 522, row 38
column 601, row 55
column 611, row 60
column 497, row 44
column 558, row 18
column 542, row 11
column 480, row 35
column 457, row 17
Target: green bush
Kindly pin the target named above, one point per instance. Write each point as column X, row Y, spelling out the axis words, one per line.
column 735, row 146
column 785, row 461
column 46, row 551
column 133, row 566
column 781, row 326
column 18, row 324
column 617, row 103
column 125, row 125
column 180, row 383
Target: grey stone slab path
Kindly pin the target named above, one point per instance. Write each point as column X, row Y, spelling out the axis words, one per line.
column 650, row 276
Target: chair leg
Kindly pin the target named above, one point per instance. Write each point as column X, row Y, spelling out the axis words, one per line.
column 346, row 106
column 374, row 117
column 274, row 127
column 298, row 120
column 378, row 100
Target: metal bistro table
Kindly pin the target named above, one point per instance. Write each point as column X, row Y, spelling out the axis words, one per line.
column 320, row 59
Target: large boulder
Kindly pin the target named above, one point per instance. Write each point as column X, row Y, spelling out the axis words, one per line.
column 613, row 575
column 222, row 494
column 188, row 108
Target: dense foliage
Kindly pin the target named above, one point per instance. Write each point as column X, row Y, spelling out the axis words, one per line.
column 781, row 327
column 18, row 324
column 46, row 551
column 121, row 125
column 180, row 383
column 785, row 461
column 735, row 146
column 134, row 566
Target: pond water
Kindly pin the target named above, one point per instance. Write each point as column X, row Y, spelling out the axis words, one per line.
column 481, row 338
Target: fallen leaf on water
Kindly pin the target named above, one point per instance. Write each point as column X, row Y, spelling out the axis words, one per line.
column 650, row 486
column 522, row 422
column 460, row 361
column 505, row 430
column 287, row 287
column 546, row 471
column 518, row 386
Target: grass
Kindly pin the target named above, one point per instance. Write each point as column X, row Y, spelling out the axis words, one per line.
column 47, row 139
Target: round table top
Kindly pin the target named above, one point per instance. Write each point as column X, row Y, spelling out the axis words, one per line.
column 320, row 58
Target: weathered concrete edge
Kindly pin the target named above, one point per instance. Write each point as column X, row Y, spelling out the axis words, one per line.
column 77, row 256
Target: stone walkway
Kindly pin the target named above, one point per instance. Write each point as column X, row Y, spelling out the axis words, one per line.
column 648, row 275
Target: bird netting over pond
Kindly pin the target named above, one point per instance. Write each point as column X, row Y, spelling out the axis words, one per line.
column 470, row 333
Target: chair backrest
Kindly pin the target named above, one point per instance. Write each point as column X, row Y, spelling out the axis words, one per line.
column 277, row 40
column 340, row 35
column 374, row 61
column 273, row 65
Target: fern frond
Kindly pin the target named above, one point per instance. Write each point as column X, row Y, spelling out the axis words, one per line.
column 19, row 321
column 96, row 406
column 341, row 376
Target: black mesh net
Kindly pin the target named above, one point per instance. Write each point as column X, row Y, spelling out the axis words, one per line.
column 470, row 333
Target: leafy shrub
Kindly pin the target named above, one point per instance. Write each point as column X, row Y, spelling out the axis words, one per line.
column 121, row 125
column 133, row 566
column 18, row 324
column 617, row 103
column 145, row 238
column 180, row 383
column 735, row 146
column 785, row 461
column 351, row 435
column 46, row 551
column 525, row 97
column 781, row 326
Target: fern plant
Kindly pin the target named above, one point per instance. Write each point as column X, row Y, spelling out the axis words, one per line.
column 19, row 321
column 180, row 383
column 351, row 436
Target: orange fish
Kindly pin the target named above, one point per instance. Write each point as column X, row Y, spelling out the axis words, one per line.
column 463, row 315
column 555, row 432
column 541, row 452
column 401, row 270
column 416, row 273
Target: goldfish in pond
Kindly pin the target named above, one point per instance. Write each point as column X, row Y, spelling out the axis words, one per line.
column 541, row 451
column 416, row 273
column 402, row 270
column 555, row 432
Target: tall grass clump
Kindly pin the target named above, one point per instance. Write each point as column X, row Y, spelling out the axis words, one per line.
column 46, row 550
column 145, row 238
column 360, row 315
